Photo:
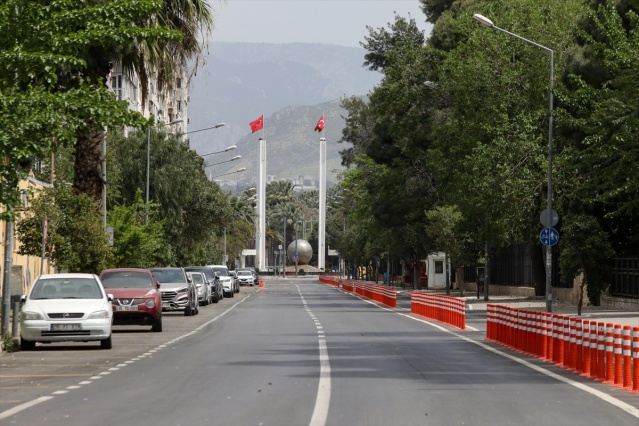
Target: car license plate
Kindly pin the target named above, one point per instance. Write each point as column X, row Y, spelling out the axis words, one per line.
column 65, row 327
column 126, row 308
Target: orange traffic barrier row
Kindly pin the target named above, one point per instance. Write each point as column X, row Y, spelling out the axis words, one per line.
column 329, row 279
column 378, row 293
column 605, row 352
column 439, row 307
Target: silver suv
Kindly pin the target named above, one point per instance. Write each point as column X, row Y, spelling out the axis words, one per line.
column 178, row 290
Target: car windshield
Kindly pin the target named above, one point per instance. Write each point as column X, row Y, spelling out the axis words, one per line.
column 126, row 279
column 208, row 272
column 222, row 272
column 66, row 288
column 197, row 278
column 168, row 275
column 244, row 273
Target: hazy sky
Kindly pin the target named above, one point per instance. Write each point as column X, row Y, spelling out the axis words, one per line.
column 340, row 22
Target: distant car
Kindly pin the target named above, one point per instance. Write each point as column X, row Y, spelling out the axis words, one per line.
column 137, row 299
column 217, row 293
column 178, row 290
column 225, row 279
column 66, row 307
column 203, row 287
column 236, row 282
column 256, row 276
column 245, row 277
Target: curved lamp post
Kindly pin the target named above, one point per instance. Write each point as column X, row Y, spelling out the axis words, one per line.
column 237, row 157
column 489, row 23
column 229, row 173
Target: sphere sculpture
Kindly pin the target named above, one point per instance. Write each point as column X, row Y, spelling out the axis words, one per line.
column 304, row 251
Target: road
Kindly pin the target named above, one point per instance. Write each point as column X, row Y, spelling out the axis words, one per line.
column 299, row 353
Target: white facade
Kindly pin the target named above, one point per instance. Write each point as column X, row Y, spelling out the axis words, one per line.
column 170, row 104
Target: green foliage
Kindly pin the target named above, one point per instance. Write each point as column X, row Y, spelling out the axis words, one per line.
column 8, row 343
column 76, row 241
column 48, row 83
column 586, row 249
column 137, row 245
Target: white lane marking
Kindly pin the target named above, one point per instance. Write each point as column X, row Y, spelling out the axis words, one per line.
column 323, row 398
column 26, row 405
column 601, row 395
column 18, row 408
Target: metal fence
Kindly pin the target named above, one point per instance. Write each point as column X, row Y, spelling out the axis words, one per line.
column 625, row 278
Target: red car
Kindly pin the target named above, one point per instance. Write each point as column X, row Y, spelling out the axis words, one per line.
column 136, row 297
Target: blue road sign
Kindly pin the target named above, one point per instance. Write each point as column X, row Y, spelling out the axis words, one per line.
column 296, row 258
column 549, row 236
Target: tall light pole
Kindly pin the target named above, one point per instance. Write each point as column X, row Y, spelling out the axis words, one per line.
column 148, row 166
column 489, row 23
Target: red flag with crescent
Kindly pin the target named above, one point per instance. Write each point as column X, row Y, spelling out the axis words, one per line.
column 320, row 124
column 257, row 124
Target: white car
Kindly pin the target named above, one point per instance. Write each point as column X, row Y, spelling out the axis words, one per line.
column 228, row 283
column 66, row 308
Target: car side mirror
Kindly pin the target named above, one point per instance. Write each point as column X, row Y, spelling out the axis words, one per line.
column 110, row 297
column 23, row 298
column 157, row 285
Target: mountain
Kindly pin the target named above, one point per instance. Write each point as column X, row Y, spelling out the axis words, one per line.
column 291, row 85
column 292, row 146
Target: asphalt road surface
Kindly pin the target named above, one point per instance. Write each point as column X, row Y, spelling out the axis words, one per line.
column 299, row 353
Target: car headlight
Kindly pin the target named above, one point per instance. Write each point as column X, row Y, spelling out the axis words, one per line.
column 183, row 290
column 31, row 316
column 99, row 315
column 150, row 303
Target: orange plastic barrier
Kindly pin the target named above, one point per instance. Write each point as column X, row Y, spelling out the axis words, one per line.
column 439, row 307
column 604, row 352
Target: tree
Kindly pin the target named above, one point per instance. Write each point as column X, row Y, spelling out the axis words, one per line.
column 76, row 241
column 138, row 244
column 50, row 88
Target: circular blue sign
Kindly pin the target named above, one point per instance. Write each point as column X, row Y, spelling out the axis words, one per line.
column 549, row 236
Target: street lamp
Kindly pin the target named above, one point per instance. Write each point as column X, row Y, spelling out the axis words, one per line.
column 227, row 149
column 237, row 157
column 148, row 162
column 230, row 173
column 489, row 23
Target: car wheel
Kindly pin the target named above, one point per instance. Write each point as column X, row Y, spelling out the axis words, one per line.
column 216, row 297
column 26, row 345
column 188, row 311
column 106, row 343
column 197, row 310
column 157, row 326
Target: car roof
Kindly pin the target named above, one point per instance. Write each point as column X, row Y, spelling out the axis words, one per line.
column 67, row 275
column 125, row 270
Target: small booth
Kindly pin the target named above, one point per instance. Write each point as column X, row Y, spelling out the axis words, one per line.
column 436, row 270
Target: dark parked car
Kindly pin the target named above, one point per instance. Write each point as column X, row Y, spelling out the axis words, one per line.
column 136, row 297
column 217, row 291
column 178, row 291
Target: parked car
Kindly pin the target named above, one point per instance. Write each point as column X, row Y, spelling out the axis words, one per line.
column 137, row 299
column 236, row 282
column 245, row 277
column 256, row 277
column 178, row 290
column 203, row 287
column 66, row 307
column 225, row 279
column 217, row 292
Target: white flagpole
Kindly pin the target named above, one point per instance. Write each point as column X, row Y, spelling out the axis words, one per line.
column 261, row 261
column 321, row 251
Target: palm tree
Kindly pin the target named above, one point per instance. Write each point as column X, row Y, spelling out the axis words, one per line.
column 164, row 60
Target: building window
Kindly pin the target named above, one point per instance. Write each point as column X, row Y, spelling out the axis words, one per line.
column 116, row 86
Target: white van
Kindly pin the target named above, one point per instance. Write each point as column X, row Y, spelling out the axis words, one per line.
column 228, row 283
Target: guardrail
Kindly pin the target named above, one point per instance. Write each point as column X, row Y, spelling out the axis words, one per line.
column 447, row 309
column 605, row 352
column 378, row 293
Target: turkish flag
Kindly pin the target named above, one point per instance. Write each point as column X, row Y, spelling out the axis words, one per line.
column 320, row 124
column 257, row 124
